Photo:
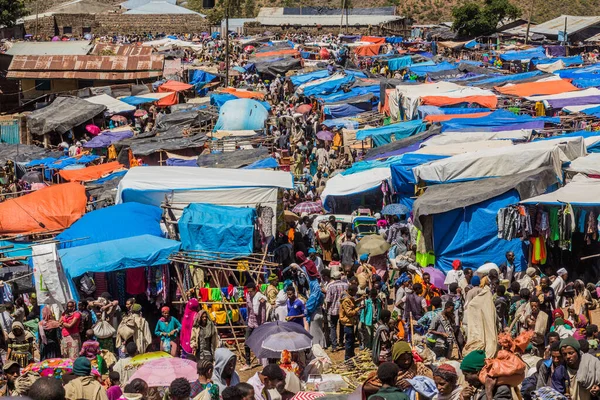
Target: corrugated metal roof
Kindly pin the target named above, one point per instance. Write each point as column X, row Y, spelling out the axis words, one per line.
column 574, row 24
column 138, row 3
column 326, row 20
column 69, row 48
column 595, row 38
column 160, row 7
column 121, row 50
column 86, row 67
column 81, row 7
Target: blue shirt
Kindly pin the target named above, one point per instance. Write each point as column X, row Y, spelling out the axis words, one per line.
column 294, row 309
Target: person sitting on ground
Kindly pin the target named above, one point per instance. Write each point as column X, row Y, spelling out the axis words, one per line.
column 114, row 391
column 46, row 388
column 84, row 386
column 387, row 374
column 179, row 389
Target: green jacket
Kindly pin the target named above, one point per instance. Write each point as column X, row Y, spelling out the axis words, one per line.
column 390, row 393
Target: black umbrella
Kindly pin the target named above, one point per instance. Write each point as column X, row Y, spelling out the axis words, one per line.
column 260, row 334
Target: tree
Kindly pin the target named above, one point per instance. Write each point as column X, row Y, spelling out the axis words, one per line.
column 11, row 11
column 249, row 9
column 471, row 19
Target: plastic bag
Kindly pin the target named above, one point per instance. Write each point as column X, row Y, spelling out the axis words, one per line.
column 507, row 368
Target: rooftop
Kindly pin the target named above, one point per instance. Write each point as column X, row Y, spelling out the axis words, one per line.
column 68, row 48
column 102, row 49
column 86, row 67
column 574, row 24
column 161, row 7
column 130, row 4
column 276, row 16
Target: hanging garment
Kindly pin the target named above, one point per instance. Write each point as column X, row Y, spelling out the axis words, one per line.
column 538, row 251
column 554, row 228
column 540, row 110
column 135, row 281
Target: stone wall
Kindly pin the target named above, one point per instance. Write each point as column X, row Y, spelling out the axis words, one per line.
column 137, row 24
column 109, row 24
column 255, row 28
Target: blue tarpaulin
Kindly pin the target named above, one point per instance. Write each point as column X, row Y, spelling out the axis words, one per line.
column 589, row 72
column 396, row 64
column 347, row 110
column 119, row 254
column 178, row 162
column 242, row 115
column 517, row 55
column 136, row 101
column 433, row 110
column 218, row 99
column 403, row 179
column 574, row 60
column 393, row 39
column 500, row 118
column 216, row 228
column 199, row 79
column 470, row 234
column 586, row 83
column 496, row 81
column 471, row 45
column 356, row 91
column 265, row 163
column 111, row 223
column 424, row 70
column 114, row 175
column 341, row 123
column 383, row 134
column 329, row 86
column 298, row 80
column 18, row 250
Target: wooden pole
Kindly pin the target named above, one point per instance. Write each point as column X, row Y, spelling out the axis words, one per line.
column 529, row 21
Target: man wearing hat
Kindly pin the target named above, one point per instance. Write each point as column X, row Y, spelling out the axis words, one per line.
column 84, row 386
column 559, row 285
column 583, row 370
column 471, row 366
column 272, row 289
column 12, row 370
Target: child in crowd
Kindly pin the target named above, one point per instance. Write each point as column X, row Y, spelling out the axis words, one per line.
column 246, row 389
column 114, row 391
column 90, row 349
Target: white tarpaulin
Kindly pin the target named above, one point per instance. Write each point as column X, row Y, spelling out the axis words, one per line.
column 51, row 285
column 410, row 95
column 503, row 161
column 345, row 185
column 113, row 105
column 550, row 68
column 460, row 148
column 589, row 164
column 567, row 95
column 576, row 109
column 468, row 137
column 580, row 191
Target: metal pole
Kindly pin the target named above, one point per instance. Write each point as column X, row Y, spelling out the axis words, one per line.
column 37, row 16
column 529, row 21
column 565, row 32
column 227, row 44
column 342, row 20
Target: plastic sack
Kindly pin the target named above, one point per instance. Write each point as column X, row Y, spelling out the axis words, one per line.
column 507, row 368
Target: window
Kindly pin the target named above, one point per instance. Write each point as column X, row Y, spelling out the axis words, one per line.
column 208, row 3
column 42, row 84
column 67, row 30
column 87, row 29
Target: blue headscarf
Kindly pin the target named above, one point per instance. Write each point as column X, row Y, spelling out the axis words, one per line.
column 315, row 299
column 402, row 278
column 475, row 281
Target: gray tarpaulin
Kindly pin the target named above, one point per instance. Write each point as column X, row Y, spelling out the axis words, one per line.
column 62, row 115
column 439, row 199
column 234, row 159
column 24, row 153
column 402, row 143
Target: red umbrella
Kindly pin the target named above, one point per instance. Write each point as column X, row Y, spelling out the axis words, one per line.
column 324, row 53
column 92, row 129
column 249, row 49
column 304, row 109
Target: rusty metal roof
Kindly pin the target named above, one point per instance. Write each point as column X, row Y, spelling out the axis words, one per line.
column 86, row 67
column 574, row 24
column 122, row 50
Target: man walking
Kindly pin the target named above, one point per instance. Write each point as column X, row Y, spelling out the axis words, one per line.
column 349, row 310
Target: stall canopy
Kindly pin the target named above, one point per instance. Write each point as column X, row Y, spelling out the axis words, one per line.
column 244, row 94
column 214, row 228
column 107, row 138
column 112, row 105
column 90, row 173
column 118, row 254
column 62, row 115
column 300, row 79
column 233, row 159
column 145, row 98
column 49, row 209
column 462, row 217
column 581, row 191
column 326, row 85
column 346, row 185
column 589, row 165
column 111, row 223
column 518, row 55
column 538, row 88
column 242, row 114
column 383, row 134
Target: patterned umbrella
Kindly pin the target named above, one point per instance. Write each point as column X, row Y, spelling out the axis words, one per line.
column 161, row 372
column 309, row 207
column 325, row 135
column 395, row 209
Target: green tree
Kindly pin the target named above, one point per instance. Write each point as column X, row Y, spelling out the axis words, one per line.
column 249, row 9
column 471, row 19
column 11, row 11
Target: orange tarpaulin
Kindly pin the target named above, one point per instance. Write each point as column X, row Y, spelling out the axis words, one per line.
column 446, row 117
column 174, row 86
column 440, row 101
column 52, row 208
column 538, row 88
column 373, row 39
column 244, row 94
column 289, row 52
column 368, row 50
column 169, row 100
column 89, row 173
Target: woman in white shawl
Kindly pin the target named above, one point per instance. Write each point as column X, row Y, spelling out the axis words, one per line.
column 446, row 381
